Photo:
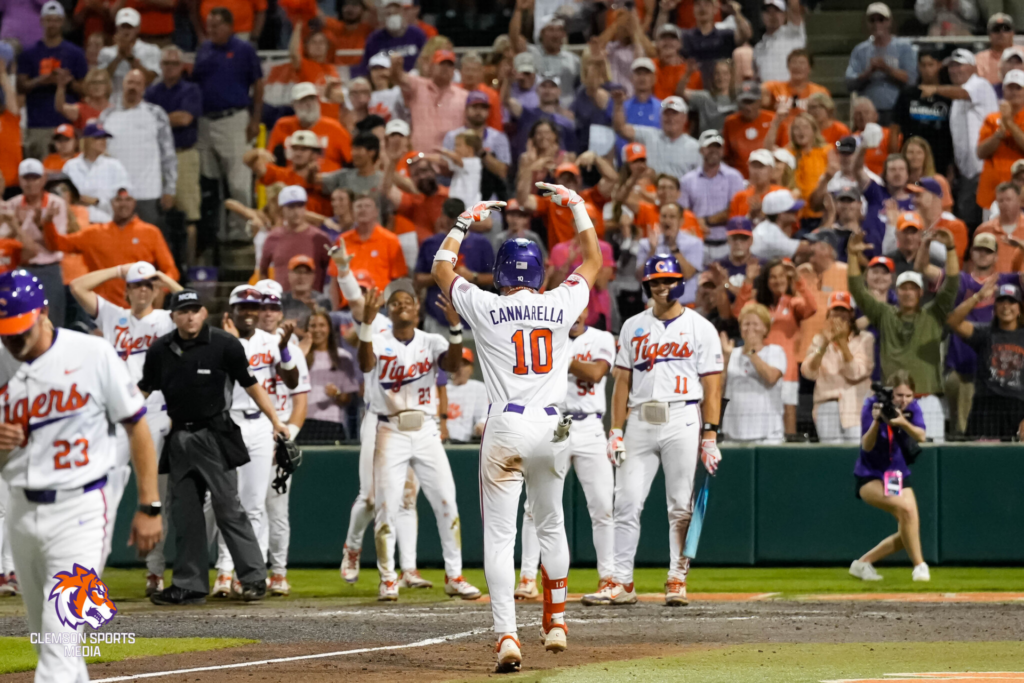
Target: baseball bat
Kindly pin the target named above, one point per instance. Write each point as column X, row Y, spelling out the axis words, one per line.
column 700, row 506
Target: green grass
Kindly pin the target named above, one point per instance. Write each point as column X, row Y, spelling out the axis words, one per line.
column 16, row 653
column 128, row 584
column 796, row 663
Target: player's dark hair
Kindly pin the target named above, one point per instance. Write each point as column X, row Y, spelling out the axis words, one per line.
column 762, row 294
column 332, row 339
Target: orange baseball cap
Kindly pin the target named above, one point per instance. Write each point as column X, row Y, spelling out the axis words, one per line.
column 301, row 260
column 64, row 130
column 568, row 168
column 363, row 277
column 883, row 261
column 467, row 354
column 634, row 151
column 909, row 219
column 444, row 56
column 840, row 299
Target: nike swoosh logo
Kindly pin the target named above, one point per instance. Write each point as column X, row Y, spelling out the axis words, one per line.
column 68, row 372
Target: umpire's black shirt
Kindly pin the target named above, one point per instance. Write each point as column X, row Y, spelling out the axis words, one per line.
column 197, row 375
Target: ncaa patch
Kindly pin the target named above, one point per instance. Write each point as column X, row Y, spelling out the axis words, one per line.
column 122, row 321
column 639, row 332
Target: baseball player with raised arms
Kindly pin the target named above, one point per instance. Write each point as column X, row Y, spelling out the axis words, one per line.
column 522, row 338
column 668, row 374
column 290, row 405
column 61, row 392
column 404, row 365
column 269, row 355
column 362, row 513
column 593, row 352
column 131, row 331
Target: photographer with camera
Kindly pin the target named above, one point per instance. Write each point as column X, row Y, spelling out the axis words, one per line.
column 892, row 427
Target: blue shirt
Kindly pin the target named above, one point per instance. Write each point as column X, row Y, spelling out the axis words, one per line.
column 40, row 58
column 476, row 254
column 587, row 113
column 887, row 454
column 408, row 45
column 708, row 49
column 879, row 88
column 874, row 227
column 225, row 74
column 183, row 96
column 637, row 114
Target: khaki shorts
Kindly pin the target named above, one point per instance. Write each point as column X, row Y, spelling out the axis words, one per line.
column 187, row 198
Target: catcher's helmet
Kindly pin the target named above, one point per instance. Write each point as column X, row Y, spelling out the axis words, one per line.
column 664, row 267
column 22, row 297
column 519, row 263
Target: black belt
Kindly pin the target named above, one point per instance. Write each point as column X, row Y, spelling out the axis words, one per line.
column 583, row 416
column 222, row 114
column 46, row 497
column 196, row 426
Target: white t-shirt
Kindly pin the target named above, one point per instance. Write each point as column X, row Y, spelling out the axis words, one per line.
column 263, row 354
column 593, row 345
column 965, row 119
column 467, row 408
column 66, row 401
column 755, row 411
column 772, row 51
column 381, row 325
column 405, row 375
column 466, row 181
column 668, row 357
column 280, row 394
column 523, row 338
column 770, row 242
column 131, row 338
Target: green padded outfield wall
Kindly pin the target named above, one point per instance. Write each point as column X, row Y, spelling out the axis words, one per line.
column 768, row 505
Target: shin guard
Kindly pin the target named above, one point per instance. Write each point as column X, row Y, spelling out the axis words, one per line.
column 554, row 601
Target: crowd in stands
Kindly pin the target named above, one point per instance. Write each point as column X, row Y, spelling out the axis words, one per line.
column 828, row 252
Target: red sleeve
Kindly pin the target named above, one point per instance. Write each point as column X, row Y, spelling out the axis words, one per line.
column 407, row 204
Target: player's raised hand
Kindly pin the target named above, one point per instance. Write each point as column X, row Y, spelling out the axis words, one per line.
column 372, row 304
column 287, row 330
column 616, row 448
column 339, row 254
column 476, row 213
column 146, row 532
column 450, row 314
column 560, row 195
column 710, row 455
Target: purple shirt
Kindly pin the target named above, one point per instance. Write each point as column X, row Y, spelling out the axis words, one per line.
column 887, row 454
column 408, row 45
column 874, row 225
column 225, row 73
column 961, row 356
column 706, row 196
column 183, row 96
column 587, row 113
column 708, row 49
column 40, row 58
column 21, row 20
column 530, row 116
column 476, row 253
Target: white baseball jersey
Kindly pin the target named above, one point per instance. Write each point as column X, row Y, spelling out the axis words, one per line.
column 523, row 338
column 66, row 401
column 381, row 325
column 467, row 407
column 264, row 355
column 583, row 396
column 406, row 373
column 280, row 394
column 131, row 338
column 668, row 357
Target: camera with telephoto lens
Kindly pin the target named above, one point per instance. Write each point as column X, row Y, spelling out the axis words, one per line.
column 883, row 396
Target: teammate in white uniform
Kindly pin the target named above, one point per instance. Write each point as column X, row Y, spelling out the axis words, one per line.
column 522, row 337
column 61, row 392
column 467, row 402
column 668, row 373
column 132, row 331
column 8, row 577
column 593, row 352
column 404, row 363
column 268, row 356
column 362, row 513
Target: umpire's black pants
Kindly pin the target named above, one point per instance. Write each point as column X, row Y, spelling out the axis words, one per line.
column 197, row 465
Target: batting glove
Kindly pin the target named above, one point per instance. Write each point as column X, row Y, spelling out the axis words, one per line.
column 479, row 212
column 616, row 449
column 560, row 195
column 340, row 256
column 710, row 455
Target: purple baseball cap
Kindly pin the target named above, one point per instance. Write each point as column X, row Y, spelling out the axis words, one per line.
column 477, row 97
column 22, row 297
column 739, row 225
column 95, row 130
column 926, row 185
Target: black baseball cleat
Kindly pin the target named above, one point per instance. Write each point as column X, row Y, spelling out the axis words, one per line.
column 176, row 595
column 252, row 592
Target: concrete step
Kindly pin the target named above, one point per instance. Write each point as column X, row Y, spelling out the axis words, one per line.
column 832, row 44
column 862, row 5
column 850, row 22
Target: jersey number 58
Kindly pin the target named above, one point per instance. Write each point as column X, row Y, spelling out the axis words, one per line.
column 540, row 351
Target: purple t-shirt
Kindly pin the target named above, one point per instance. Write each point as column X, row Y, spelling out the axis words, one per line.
column 408, row 45
column 225, row 73
column 476, row 253
column 587, row 113
column 21, row 20
column 874, row 225
column 182, row 96
column 41, row 60
column 961, row 356
column 887, row 454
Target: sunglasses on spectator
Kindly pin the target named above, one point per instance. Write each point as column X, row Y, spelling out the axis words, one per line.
column 876, row 19
column 1001, row 28
column 170, row 63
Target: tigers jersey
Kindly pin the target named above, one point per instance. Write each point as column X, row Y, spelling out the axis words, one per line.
column 280, row 394
column 381, row 325
column 67, row 401
column 523, row 338
column 263, row 354
column 584, row 396
column 467, row 407
column 131, row 337
column 406, row 373
column 668, row 357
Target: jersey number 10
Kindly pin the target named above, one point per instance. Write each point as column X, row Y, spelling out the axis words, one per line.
column 540, row 351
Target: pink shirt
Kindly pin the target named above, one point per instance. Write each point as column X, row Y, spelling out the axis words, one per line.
column 26, row 215
column 600, row 300
column 345, row 378
column 433, row 111
column 988, row 66
column 837, row 380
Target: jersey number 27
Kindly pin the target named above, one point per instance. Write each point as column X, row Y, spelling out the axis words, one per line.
column 540, row 351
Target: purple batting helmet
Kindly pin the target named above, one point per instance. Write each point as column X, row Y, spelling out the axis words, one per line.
column 22, row 297
column 664, row 267
column 519, row 263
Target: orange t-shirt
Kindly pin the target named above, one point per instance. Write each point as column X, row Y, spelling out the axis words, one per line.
column 380, row 255
column 336, row 141
column 10, row 147
column 156, row 21
column 834, row 132
column 1008, row 257
column 742, row 137
column 958, row 229
column 345, row 37
column 667, row 79
column 782, row 90
column 649, row 215
column 684, row 14
column 874, row 159
column 559, row 220
column 740, row 204
column 54, row 162
column 810, row 166
column 317, row 202
column 996, row 168
column 420, row 212
column 10, row 254
column 243, row 11
column 427, row 28
column 94, row 20
column 319, row 74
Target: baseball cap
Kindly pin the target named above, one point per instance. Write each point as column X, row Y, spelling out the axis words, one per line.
column 292, row 194
column 785, row 156
column 512, row 206
column 929, row 184
column 748, row 92
column 124, row 188
column 999, row 18
column 710, row 137
column 634, row 151
column 477, row 97
column 403, row 3
column 271, row 290
column 780, row 201
column 985, row 240
column 64, row 130
column 551, row 76
column 883, row 261
column 402, row 284
column 1008, row 291
column 824, row 235
column 443, row 56
column 95, row 130
column 1014, row 77
column 397, row 127
column 551, row 20
column 31, row 167
column 879, row 8
column 380, row 60
column 848, row 192
column 909, row 219
column 139, row 272
column 777, row 4
column 301, row 260
column 467, row 354
column 305, row 138
column 568, row 168
column 1012, row 51
column 1017, row 167
column 643, row 63
column 846, row 145
column 363, row 278
column 127, row 15
column 186, row 298
column 303, row 90
column 245, row 294
column 675, row 103
column 962, row 56
column 739, row 226
column 670, row 28
column 762, row 156
column 52, row 9
column 840, row 299
column 523, row 63
column 910, row 276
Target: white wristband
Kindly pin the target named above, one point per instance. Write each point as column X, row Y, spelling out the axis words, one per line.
column 582, row 218
column 445, row 255
column 293, row 431
column 455, row 338
column 290, row 365
column 349, row 287
column 365, row 333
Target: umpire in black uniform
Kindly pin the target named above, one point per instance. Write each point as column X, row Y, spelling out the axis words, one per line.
column 196, row 367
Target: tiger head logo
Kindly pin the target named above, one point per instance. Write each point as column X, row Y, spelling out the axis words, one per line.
column 80, row 597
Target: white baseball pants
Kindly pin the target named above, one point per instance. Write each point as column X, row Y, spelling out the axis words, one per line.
column 6, row 558
column 517, row 449
column 588, row 454
column 674, row 445
column 395, row 452
column 279, row 528
column 253, row 480
column 51, row 538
